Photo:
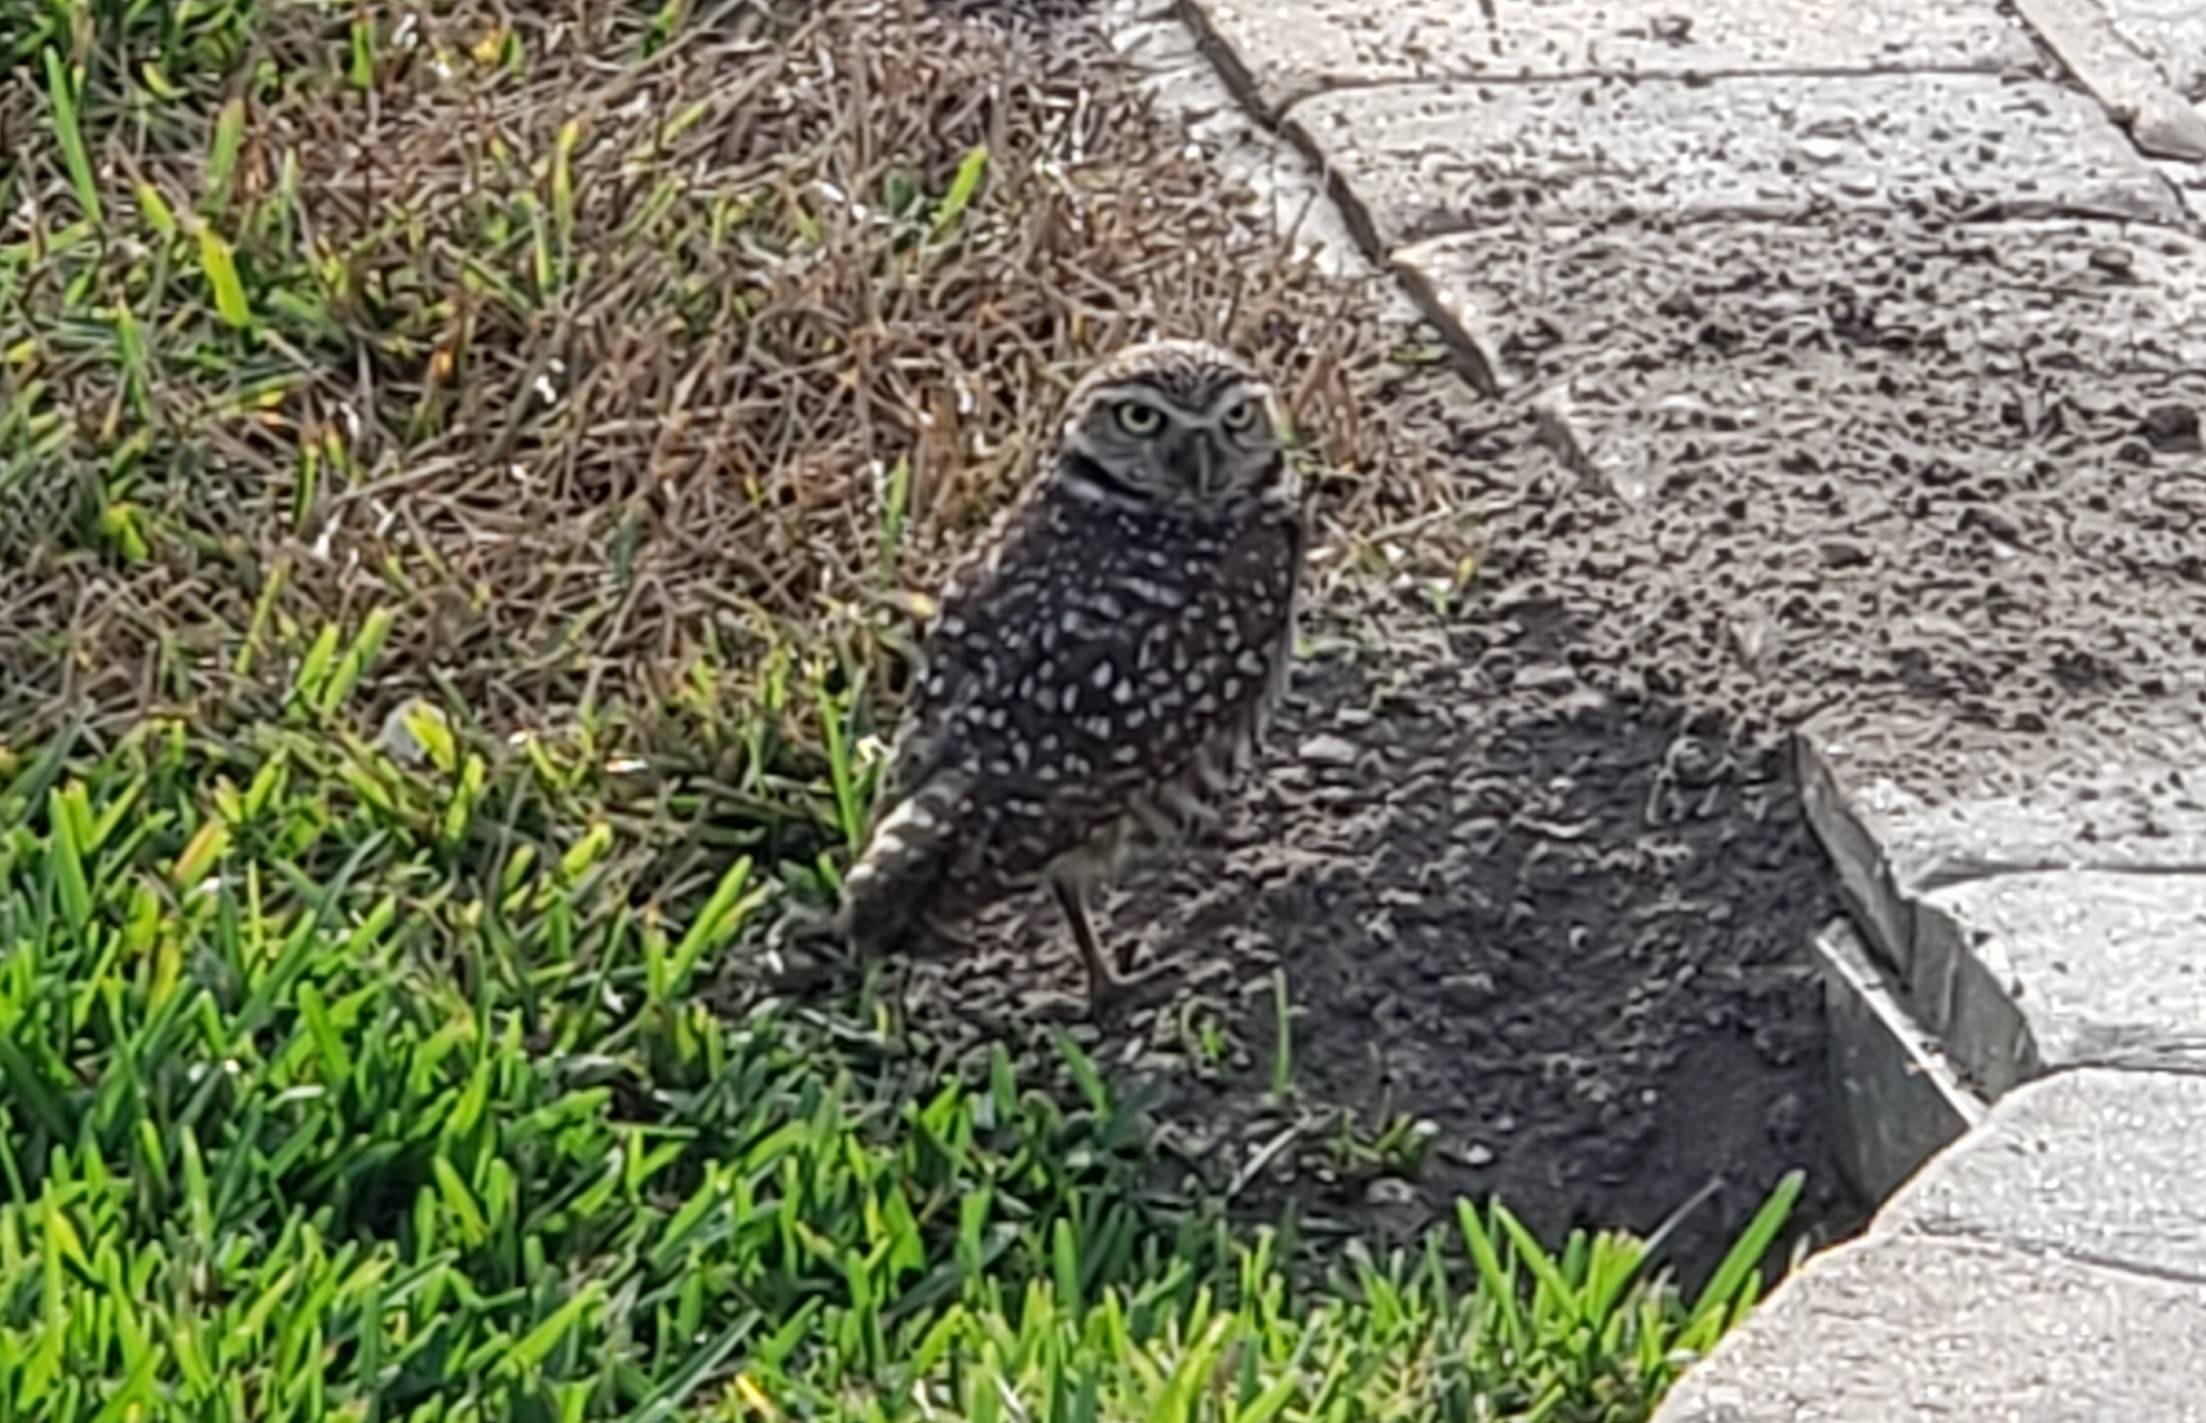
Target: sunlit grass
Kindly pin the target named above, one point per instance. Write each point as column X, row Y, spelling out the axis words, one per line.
column 304, row 1112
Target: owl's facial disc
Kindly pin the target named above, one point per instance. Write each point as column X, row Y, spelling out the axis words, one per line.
column 1152, row 445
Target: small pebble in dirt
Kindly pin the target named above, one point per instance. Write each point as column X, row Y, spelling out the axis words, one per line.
column 1326, row 749
column 1694, row 761
column 1844, row 553
column 1545, row 677
column 1478, row 1153
column 397, row 737
column 1787, row 1119
column 1390, row 1191
column 2172, row 427
column 1467, row 992
column 1822, row 150
column 2116, row 261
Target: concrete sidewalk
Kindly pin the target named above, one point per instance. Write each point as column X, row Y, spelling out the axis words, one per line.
column 2019, row 1007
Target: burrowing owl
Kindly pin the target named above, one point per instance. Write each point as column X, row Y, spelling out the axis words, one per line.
column 1098, row 673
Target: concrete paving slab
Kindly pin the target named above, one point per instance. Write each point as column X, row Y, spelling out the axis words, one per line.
column 1283, row 51
column 1896, row 1327
column 2134, row 91
column 1898, row 1101
column 2103, row 1166
column 2172, row 33
column 1166, row 57
column 2042, row 971
column 1423, row 160
column 1906, row 803
column 2107, row 296
column 2000, row 874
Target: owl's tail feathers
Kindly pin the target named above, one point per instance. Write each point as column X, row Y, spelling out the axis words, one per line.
column 896, row 885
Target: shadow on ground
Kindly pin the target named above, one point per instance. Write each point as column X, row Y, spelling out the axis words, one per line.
column 1565, row 930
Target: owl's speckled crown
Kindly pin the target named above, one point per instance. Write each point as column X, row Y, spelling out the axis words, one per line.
column 1189, row 373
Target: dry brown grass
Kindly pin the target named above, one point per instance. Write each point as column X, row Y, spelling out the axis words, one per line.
column 607, row 356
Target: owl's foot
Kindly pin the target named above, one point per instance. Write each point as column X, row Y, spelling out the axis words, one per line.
column 1109, row 990
column 1107, row 985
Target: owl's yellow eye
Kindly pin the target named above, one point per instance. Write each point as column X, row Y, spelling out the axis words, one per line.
column 1139, row 419
column 1241, row 416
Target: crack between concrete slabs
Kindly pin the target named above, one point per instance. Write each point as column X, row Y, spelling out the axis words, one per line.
column 1941, row 1230
column 2143, row 1060
column 1323, row 85
column 1213, row 46
column 1946, row 873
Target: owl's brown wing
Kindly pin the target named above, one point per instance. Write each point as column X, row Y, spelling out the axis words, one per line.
column 1156, row 662
column 1078, row 670
column 923, row 812
column 972, row 646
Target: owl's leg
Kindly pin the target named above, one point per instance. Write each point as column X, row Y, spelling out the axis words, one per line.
column 1074, row 902
column 1104, row 981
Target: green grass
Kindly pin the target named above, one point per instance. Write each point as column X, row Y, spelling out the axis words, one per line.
column 308, row 1115
column 395, row 760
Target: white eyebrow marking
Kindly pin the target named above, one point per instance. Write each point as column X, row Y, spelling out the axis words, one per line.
column 1233, row 395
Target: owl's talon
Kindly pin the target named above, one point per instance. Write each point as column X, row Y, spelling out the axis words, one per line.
column 1114, row 986
column 1105, row 995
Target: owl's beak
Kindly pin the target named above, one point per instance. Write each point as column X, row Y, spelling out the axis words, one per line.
column 1199, row 463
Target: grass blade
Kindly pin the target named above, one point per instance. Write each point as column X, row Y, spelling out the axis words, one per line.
column 220, row 267
column 63, row 90
column 1713, row 1310
column 963, row 187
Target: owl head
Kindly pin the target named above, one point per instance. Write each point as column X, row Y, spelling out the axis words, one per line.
column 1177, row 421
